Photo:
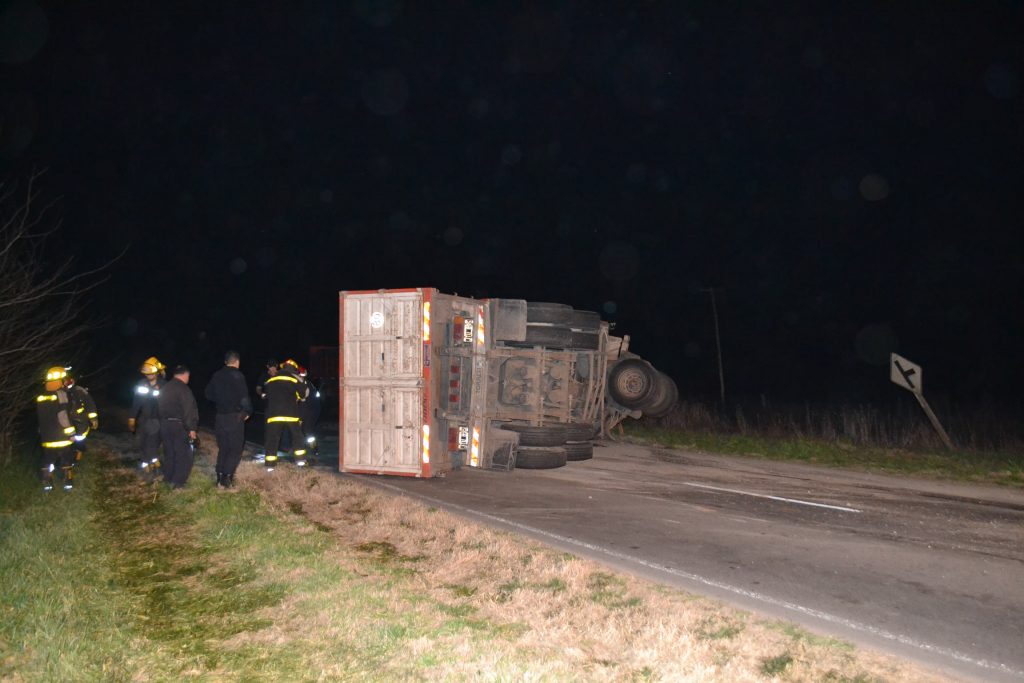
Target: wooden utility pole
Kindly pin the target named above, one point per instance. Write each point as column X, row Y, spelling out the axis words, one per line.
column 718, row 343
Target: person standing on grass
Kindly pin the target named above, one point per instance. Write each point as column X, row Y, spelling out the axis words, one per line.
column 228, row 391
column 179, row 420
column 144, row 416
column 285, row 393
column 56, row 430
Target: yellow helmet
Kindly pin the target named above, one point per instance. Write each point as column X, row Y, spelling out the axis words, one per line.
column 151, row 366
column 293, row 364
column 56, row 373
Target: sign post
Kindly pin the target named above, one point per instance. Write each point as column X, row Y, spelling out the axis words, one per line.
column 909, row 375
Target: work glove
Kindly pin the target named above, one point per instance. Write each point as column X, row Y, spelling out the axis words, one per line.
column 131, row 425
column 95, row 423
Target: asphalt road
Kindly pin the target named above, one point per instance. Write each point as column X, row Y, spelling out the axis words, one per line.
column 926, row 570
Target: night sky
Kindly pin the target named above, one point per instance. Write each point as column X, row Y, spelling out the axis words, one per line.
column 848, row 175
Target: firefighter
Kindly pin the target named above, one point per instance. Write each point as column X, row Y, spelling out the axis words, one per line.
column 228, row 391
column 84, row 415
column 179, row 420
column 56, row 430
column 285, row 393
column 144, row 417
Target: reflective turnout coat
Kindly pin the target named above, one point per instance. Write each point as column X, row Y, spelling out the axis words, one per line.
column 53, row 408
column 285, row 393
column 83, row 408
column 145, row 403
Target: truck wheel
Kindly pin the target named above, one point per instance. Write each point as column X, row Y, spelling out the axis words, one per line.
column 585, row 321
column 540, row 458
column 545, row 312
column 589, row 341
column 579, row 432
column 631, row 381
column 545, row 335
column 533, row 436
column 574, row 452
column 662, row 399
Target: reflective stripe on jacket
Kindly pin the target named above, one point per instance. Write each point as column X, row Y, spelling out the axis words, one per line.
column 285, row 393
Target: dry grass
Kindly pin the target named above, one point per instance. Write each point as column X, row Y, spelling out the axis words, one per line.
column 465, row 602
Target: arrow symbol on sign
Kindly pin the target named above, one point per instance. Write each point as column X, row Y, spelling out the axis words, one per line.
column 907, row 373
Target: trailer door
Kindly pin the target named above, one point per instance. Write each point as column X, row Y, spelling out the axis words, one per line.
column 382, row 429
column 382, row 382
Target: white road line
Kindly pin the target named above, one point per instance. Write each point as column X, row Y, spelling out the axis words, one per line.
column 698, row 508
column 762, row 495
column 760, row 597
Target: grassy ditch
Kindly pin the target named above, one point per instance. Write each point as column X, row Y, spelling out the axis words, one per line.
column 303, row 575
column 999, row 468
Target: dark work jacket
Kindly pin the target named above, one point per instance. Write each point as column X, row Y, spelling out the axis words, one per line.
column 311, row 408
column 53, row 411
column 146, row 399
column 178, row 403
column 227, row 389
column 83, row 408
column 285, row 393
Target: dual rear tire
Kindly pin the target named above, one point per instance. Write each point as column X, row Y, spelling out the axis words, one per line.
column 635, row 384
column 551, row 446
column 559, row 326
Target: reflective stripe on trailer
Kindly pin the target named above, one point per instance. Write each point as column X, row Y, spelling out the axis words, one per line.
column 480, row 332
column 474, row 449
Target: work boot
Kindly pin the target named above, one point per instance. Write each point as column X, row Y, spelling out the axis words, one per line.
column 48, row 479
column 220, row 480
column 229, row 481
column 69, row 476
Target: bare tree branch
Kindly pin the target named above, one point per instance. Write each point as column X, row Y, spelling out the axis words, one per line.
column 40, row 305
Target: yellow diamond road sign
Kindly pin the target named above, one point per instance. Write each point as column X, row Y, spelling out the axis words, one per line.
column 904, row 373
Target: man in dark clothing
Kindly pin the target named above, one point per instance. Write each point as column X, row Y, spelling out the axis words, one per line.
column 261, row 389
column 179, row 419
column 311, row 408
column 285, row 393
column 227, row 389
column 56, row 431
column 261, row 383
column 144, row 416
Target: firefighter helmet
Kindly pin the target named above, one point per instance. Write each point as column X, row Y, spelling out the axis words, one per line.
column 151, row 366
column 290, row 364
column 56, row 373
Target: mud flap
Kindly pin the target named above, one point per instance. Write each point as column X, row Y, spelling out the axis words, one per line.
column 501, row 450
